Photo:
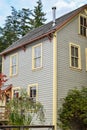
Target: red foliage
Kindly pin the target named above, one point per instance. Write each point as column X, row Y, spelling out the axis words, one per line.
column 2, row 79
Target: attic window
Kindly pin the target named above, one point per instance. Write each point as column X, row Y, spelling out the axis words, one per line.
column 83, row 26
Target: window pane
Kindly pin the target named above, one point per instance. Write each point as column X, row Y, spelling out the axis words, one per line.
column 84, row 31
column 72, row 50
column 37, row 51
column 72, row 61
column 76, row 52
column 16, row 93
column 37, row 62
column 83, row 26
column 33, row 92
column 85, row 22
column 81, row 20
column 13, row 60
column 13, row 70
column 76, row 62
column 81, row 30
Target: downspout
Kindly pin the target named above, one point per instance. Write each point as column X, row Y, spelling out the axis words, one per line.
column 55, row 78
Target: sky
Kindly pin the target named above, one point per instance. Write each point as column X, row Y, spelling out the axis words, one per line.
column 62, row 7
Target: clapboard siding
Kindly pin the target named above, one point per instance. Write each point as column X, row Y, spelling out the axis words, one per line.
column 43, row 76
column 69, row 78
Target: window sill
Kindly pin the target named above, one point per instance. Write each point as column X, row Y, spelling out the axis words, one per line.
column 36, row 69
column 11, row 76
column 82, row 36
column 75, row 69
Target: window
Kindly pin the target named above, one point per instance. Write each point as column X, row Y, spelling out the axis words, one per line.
column 13, row 64
column 33, row 91
column 16, row 92
column 83, row 25
column 37, row 56
column 2, row 64
column 75, row 59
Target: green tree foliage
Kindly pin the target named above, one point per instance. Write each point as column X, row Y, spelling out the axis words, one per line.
column 19, row 23
column 23, row 110
column 73, row 112
column 16, row 25
column 38, row 16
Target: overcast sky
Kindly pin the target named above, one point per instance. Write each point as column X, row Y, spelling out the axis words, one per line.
column 63, row 6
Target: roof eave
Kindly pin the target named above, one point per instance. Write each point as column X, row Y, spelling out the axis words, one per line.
column 29, row 42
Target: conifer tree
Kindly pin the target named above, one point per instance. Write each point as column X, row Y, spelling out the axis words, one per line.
column 38, row 15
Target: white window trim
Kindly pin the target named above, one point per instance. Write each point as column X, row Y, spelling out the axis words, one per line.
column 79, row 55
column 16, row 54
column 79, row 23
column 32, row 85
column 33, row 67
column 15, row 88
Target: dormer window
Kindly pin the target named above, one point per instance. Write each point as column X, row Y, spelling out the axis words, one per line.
column 83, row 25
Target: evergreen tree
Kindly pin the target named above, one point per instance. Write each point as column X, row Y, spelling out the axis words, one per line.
column 16, row 25
column 38, row 16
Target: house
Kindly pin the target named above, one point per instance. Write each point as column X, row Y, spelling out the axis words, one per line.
column 49, row 60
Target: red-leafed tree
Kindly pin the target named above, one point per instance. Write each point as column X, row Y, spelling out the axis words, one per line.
column 3, row 79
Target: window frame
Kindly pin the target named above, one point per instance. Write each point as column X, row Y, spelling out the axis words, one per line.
column 79, row 56
column 11, row 56
column 15, row 88
column 83, row 16
column 33, row 85
column 2, row 68
column 33, row 56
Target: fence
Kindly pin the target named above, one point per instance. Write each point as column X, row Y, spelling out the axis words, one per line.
column 3, row 114
column 42, row 127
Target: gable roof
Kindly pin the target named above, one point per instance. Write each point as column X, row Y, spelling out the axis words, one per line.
column 43, row 31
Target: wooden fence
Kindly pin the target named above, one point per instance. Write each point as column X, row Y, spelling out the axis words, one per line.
column 37, row 127
column 3, row 114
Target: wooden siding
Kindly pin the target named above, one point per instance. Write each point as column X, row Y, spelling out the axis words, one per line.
column 43, row 76
column 69, row 78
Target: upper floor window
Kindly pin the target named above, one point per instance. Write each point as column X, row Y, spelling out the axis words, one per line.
column 32, row 91
column 75, row 58
column 37, row 56
column 13, row 64
column 83, row 25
